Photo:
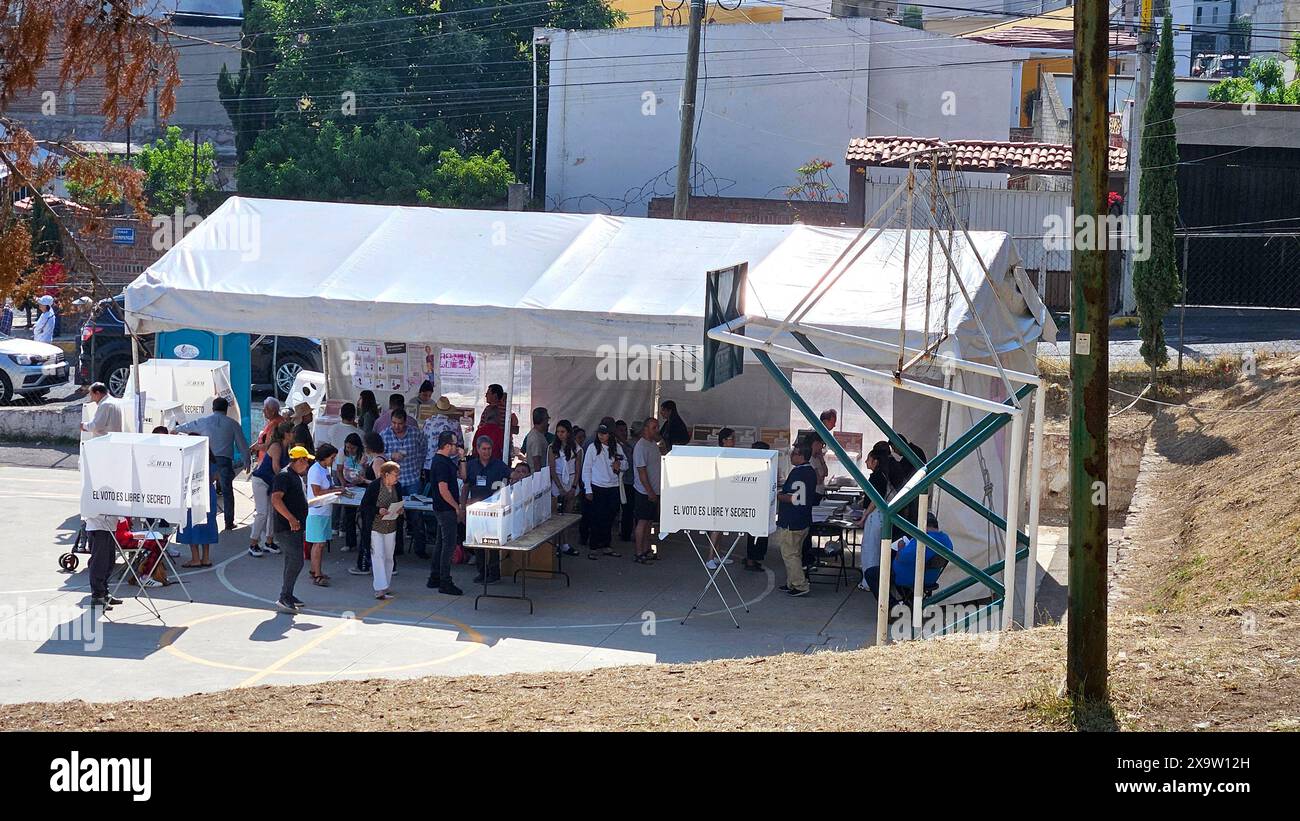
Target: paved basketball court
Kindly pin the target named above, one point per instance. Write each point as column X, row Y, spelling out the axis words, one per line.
column 615, row 612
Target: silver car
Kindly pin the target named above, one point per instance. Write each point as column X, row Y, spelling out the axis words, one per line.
column 29, row 369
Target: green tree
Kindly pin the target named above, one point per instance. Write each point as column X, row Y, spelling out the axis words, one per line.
column 1264, row 81
column 244, row 96
column 1155, row 279
column 913, row 18
column 174, row 169
column 462, row 63
column 469, row 182
column 390, row 163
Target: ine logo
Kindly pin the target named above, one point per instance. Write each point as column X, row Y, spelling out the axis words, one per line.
column 128, row 775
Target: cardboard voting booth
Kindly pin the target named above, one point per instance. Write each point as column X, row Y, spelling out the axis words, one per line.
column 725, row 490
column 729, row 491
column 146, row 476
column 193, row 383
column 156, row 412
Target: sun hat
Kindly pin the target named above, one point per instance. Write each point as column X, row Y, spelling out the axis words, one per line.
column 444, row 404
column 300, row 410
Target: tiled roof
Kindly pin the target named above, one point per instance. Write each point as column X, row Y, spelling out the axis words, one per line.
column 974, row 155
column 1029, row 37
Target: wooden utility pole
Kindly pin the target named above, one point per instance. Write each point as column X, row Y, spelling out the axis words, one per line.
column 682, row 196
column 1089, row 360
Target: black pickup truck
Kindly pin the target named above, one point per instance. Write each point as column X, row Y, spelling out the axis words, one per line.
column 105, row 354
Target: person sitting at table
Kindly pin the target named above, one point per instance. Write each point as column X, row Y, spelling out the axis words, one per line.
column 872, row 518
column 903, row 566
column 484, row 476
column 380, row 497
column 150, row 570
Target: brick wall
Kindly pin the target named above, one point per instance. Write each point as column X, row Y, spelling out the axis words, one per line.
column 755, row 211
column 117, row 264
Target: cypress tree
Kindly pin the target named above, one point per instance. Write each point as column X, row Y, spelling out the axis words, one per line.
column 1156, row 282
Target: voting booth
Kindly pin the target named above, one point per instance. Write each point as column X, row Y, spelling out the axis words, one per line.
column 168, row 413
column 309, row 387
column 727, row 491
column 193, row 383
column 147, row 476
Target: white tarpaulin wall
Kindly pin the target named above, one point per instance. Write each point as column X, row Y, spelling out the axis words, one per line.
column 146, row 475
column 194, row 383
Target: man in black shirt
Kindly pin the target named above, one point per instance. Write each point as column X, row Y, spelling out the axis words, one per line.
column 289, row 503
column 447, row 511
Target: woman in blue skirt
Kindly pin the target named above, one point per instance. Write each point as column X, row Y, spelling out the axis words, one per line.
column 204, row 534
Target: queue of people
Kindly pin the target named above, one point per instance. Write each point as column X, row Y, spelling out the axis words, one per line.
column 612, row 477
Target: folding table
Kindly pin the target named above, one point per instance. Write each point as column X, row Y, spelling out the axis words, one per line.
column 525, row 545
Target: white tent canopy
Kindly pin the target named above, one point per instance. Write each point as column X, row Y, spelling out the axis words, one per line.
column 546, row 283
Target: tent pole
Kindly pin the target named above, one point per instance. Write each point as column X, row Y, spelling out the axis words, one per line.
column 509, row 436
column 918, row 573
column 1035, row 483
column 1015, row 468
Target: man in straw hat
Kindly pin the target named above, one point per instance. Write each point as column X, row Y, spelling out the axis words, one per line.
column 302, row 419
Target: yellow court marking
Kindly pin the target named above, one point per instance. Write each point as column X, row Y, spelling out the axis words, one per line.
column 169, row 637
column 316, row 642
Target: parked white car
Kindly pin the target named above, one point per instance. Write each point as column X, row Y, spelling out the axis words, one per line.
column 29, row 368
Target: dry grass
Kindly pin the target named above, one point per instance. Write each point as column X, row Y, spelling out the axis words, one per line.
column 1224, row 527
column 1167, row 674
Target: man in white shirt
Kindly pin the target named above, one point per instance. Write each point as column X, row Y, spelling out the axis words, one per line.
column 108, row 416
column 43, row 330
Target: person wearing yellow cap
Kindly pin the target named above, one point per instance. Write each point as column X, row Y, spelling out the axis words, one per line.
column 289, row 500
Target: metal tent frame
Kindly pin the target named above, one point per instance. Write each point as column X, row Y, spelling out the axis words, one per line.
column 930, row 474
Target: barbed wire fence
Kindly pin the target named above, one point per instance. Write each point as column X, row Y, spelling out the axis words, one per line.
column 1241, row 295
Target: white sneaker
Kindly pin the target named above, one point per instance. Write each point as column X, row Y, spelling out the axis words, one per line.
column 174, row 552
column 152, row 582
column 711, row 564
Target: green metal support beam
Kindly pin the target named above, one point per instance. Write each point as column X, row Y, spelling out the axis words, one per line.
column 956, row 587
column 891, row 518
column 901, row 446
column 966, row 444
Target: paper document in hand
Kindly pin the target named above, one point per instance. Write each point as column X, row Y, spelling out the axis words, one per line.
column 394, row 510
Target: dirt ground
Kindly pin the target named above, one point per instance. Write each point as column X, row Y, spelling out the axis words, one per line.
column 1204, row 633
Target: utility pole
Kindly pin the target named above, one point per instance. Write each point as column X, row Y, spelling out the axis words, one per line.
column 1089, row 381
column 682, row 196
column 1141, row 91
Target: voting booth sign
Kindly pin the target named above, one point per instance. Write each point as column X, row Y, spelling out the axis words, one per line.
column 149, row 476
column 194, row 383
column 729, row 490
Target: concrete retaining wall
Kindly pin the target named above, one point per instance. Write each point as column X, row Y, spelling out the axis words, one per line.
column 62, row 421
column 1125, row 458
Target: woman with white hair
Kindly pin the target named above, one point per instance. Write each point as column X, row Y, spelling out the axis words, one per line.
column 43, row 330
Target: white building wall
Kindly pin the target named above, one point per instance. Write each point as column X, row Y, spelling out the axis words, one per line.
column 771, row 98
